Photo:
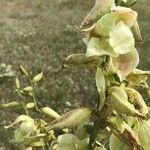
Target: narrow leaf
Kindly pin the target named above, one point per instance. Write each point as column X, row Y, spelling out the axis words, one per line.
column 79, row 61
column 101, row 87
column 136, row 32
column 23, row 70
column 71, row 119
column 13, row 104
column 17, row 82
column 38, row 77
column 144, row 134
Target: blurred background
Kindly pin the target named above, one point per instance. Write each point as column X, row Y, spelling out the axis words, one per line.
column 39, row 34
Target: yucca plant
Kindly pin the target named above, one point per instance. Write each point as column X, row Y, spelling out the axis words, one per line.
column 120, row 121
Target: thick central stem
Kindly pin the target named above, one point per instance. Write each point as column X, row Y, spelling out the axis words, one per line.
column 99, row 124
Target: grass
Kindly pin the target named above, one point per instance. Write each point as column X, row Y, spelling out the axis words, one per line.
column 39, row 34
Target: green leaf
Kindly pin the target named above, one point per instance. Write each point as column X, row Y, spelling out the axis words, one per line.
column 118, row 123
column 23, row 70
column 24, row 131
column 38, row 77
column 17, row 82
column 116, row 144
column 137, row 77
column 126, row 63
column 81, row 132
column 68, row 139
column 106, row 24
column 71, row 119
column 28, row 89
column 99, row 47
column 135, row 98
column 136, row 32
column 30, row 105
column 89, row 32
column 128, row 135
column 144, row 134
column 121, row 38
column 10, row 105
column 101, row 87
column 79, row 61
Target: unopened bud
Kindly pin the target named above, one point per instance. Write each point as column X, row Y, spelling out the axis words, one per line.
column 50, row 112
column 13, row 104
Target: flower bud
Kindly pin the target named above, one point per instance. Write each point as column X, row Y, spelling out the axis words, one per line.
column 79, row 60
column 28, row 89
column 38, row 77
column 13, row 104
column 50, row 112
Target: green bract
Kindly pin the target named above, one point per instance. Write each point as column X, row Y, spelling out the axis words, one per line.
column 120, row 102
column 71, row 142
column 101, row 86
column 25, row 130
column 126, row 63
column 121, row 38
column 99, row 47
column 137, row 77
column 144, row 134
column 107, row 22
column 116, row 144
